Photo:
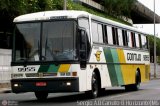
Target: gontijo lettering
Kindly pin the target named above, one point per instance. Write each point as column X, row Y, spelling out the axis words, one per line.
column 133, row 57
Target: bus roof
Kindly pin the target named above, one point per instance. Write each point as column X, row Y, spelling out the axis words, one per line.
column 47, row 15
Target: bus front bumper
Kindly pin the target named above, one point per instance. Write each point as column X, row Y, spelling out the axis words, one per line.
column 63, row 84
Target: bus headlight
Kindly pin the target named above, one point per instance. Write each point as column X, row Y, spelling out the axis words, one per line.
column 15, row 85
column 68, row 83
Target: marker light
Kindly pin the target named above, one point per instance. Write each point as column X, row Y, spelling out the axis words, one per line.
column 74, row 73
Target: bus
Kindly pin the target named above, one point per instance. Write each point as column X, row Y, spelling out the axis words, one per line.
column 75, row 51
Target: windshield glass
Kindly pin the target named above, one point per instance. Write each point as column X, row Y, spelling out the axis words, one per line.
column 45, row 41
column 27, row 41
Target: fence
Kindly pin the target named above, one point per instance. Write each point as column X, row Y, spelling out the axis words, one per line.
column 5, row 74
column 5, row 68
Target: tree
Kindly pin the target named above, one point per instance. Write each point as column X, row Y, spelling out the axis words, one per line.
column 9, row 9
column 151, row 46
column 118, row 7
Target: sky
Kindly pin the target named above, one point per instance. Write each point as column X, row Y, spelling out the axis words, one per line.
column 149, row 28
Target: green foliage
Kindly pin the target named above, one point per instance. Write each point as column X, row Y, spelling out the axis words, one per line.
column 13, row 8
column 118, row 7
column 75, row 6
column 151, row 46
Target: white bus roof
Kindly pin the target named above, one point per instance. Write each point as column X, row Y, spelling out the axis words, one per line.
column 47, row 15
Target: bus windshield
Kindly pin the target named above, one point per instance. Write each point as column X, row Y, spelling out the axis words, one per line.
column 45, row 41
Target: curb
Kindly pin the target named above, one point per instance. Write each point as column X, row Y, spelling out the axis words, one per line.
column 5, row 90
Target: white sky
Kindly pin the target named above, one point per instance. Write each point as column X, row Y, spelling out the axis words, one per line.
column 149, row 28
column 150, row 5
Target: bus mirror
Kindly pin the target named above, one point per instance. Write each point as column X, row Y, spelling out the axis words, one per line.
column 82, row 48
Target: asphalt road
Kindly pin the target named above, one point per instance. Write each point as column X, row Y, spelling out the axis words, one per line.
column 148, row 92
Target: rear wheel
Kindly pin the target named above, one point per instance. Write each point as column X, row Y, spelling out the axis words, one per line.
column 41, row 96
column 136, row 86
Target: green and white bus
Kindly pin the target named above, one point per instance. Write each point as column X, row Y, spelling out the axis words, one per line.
column 75, row 51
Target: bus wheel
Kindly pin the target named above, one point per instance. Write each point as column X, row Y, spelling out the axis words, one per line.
column 136, row 86
column 41, row 96
column 94, row 84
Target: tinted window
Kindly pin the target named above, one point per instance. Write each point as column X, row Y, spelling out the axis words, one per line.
column 133, row 40
column 105, row 34
column 140, row 40
column 144, row 41
column 125, row 38
column 25, row 47
column 115, row 36
column 58, row 44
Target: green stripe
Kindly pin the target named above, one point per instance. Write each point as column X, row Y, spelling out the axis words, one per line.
column 53, row 68
column 117, row 66
column 111, row 68
column 43, row 68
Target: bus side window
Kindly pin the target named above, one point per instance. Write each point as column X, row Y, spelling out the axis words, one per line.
column 100, row 34
column 147, row 42
column 124, row 35
column 115, row 36
column 137, row 41
column 144, row 42
column 129, row 39
column 133, row 39
column 140, row 40
column 120, row 37
column 105, row 36
column 94, row 32
column 109, row 33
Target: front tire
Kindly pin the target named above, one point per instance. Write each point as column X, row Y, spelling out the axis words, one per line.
column 95, row 88
column 41, row 96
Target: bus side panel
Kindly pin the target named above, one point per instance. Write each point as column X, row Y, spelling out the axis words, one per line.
column 82, row 75
column 129, row 68
column 134, row 61
column 105, row 78
column 98, row 61
column 126, row 69
column 114, row 67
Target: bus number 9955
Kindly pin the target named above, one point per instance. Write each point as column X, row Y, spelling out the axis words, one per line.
column 26, row 69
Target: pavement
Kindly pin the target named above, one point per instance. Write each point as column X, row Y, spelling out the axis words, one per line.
column 6, row 88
